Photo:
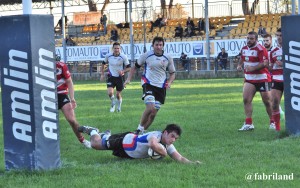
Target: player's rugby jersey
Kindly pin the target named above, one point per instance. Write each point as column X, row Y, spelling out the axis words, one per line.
column 62, row 74
column 155, row 68
column 252, row 57
column 115, row 63
column 137, row 146
column 277, row 72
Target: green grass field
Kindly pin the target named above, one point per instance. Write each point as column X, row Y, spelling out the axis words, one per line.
column 209, row 111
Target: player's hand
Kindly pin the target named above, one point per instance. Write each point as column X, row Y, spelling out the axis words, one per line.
column 197, row 162
column 126, row 82
column 279, row 63
column 239, row 68
column 73, row 103
column 249, row 68
column 102, row 77
column 121, row 73
column 167, row 85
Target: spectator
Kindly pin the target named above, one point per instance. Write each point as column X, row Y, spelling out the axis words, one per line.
column 119, row 25
column 114, row 34
column 126, row 25
column 189, row 32
column 184, row 60
column 156, row 23
column 261, row 31
column 69, row 41
column 59, row 23
column 222, row 59
column 163, row 22
column 103, row 21
column 190, row 22
column 178, row 31
column 201, row 25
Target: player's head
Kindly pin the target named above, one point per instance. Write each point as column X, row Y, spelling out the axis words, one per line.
column 223, row 50
column 170, row 134
column 158, row 45
column 57, row 58
column 279, row 36
column 252, row 38
column 116, row 48
column 267, row 41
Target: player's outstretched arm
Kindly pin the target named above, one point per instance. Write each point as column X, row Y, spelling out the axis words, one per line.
column 178, row 157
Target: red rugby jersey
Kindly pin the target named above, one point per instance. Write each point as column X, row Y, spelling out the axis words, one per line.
column 252, row 57
column 62, row 74
column 277, row 71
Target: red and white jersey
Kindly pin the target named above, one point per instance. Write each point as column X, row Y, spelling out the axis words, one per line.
column 62, row 74
column 277, row 71
column 252, row 57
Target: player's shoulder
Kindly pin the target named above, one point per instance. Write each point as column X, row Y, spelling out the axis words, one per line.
column 109, row 54
column 260, row 47
column 60, row 64
column 154, row 133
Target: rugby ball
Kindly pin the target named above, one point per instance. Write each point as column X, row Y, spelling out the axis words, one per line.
column 153, row 154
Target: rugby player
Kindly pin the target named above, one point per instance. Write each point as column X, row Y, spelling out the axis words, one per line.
column 257, row 78
column 118, row 65
column 154, row 80
column 133, row 146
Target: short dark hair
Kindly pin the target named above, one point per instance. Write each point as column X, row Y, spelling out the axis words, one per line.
column 267, row 35
column 158, row 39
column 279, row 29
column 116, row 44
column 253, row 33
column 173, row 127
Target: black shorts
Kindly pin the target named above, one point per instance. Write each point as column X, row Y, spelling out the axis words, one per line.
column 115, row 143
column 262, row 87
column 117, row 82
column 278, row 86
column 62, row 100
column 158, row 93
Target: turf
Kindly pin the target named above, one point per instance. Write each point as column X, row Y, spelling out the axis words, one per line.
column 210, row 111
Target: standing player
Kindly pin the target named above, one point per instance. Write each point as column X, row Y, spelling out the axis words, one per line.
column 67, row 106
column 267, row 41
column 116, row 62
column 276, row 66
column 257, row 77
column 154, row 80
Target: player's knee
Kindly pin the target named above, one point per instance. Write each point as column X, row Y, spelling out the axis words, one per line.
column 149, row 99
column 157, row 105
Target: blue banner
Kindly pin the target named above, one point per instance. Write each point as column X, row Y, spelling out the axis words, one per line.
column 29, row 101
column 291, row 53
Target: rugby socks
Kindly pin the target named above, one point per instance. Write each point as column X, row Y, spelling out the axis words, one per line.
column 93, row 132
column 119, row 103
column 140, row 128
column 276, row 117
column 248, row 121
column 112, row 98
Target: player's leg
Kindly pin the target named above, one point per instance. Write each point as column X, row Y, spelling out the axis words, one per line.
column 276, row 94
column 110, row 92
column 119, row 88
column 69, row 114
column 267, row 100
column 149, row 113
column 249, row 91
column 97, row 139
